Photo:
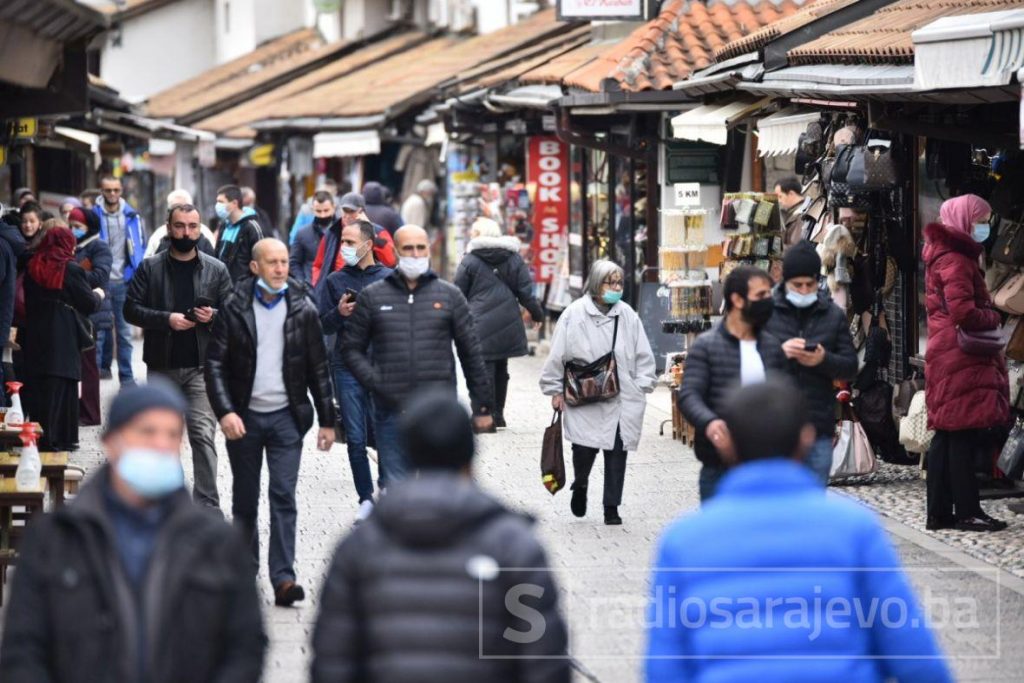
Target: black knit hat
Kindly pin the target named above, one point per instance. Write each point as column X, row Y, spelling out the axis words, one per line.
column 157, row 394
column 801, row 260
column 436, row 432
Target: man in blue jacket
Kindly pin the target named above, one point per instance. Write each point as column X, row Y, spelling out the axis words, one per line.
column 776, row 580
column 120, row 227
column 336, row 306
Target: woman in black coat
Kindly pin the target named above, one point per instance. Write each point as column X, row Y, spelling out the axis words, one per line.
column 495, row 281
column 94, row 255
column 56, row 290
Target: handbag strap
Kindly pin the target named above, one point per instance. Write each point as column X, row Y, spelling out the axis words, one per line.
column 615, row 334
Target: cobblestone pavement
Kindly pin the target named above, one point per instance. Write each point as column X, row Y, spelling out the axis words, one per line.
column 603, row 570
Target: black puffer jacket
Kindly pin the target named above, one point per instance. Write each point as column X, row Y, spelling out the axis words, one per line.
column 822, row 323
column 93, row 254
column 712, row 373
column 71, row 616
column 495, row 281
column 411, row 333
column 413, row 595
column 231, row 357
column 150, row 301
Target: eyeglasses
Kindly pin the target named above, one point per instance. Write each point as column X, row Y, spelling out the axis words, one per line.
column 112, row 190
column 613, row 283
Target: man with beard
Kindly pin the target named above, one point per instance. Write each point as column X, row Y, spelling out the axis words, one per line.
column 174, row 297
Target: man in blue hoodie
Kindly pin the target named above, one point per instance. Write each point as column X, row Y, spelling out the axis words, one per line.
column 337, row 303
column 239, row 232
column 121, row 228
column 776, row 580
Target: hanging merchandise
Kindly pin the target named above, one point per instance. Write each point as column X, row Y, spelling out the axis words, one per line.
column 914, row 433
column 758, row 238
column 682, row 267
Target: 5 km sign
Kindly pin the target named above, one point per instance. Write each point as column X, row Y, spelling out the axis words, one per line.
column 548, row 171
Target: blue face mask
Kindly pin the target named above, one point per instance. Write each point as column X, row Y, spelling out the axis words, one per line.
column 266, row 287
column 79, row 233
column 801, row 300
column 222, row 211
column 612, row 297
column 150, row 473
column 981, row 232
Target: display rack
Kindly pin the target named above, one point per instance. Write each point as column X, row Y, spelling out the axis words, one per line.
column 753, row 223
column 683, row 269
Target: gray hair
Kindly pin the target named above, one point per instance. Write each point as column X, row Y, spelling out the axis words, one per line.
column 178, row 196
column 599, row 272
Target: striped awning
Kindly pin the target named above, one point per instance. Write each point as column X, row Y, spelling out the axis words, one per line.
column 711, row 122
column 779, row 133
column 969, row 50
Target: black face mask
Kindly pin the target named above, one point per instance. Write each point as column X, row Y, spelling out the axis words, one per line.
column 757, row 313
column 183, row 245
column 323, row 222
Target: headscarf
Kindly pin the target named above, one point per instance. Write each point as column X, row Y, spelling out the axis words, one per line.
column 48, row 264
column 959, row 214
column 73, row 201
column 77, row 215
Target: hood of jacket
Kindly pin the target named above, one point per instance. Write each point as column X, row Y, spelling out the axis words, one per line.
column 435, row 509
column 942, row 240
column 486, row 247
column 373, row 193
column 13, row 237
column 779, row 297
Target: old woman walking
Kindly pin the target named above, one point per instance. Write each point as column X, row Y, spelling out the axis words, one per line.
column 589, row 328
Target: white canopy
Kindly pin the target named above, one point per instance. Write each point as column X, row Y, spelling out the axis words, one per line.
column 711, row 122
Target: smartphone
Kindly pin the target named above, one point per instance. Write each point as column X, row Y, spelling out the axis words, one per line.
column 351, row 295
column 200, row 302
column 810, row 348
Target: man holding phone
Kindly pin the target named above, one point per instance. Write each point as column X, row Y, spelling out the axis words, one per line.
column 174, row 297
column 817, row 342
column 337, row 303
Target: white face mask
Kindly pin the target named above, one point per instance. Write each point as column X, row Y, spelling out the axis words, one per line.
column 413, row 267
column 801, row 300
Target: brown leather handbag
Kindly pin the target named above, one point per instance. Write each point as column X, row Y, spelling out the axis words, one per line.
column 595, row 381
column 1015, row 348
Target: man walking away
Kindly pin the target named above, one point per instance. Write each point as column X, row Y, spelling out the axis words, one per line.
column 736, row 351
column 131, row 581
column 412, row 315
column 419, row 206
column 378, row 208
column 262, row 217
column 120, row 227
column 239, row 231
column 174, row 297
column 337, row 303
column 382, row 614
column 805, row 318
column 306, row 243
column 158, row 240
column 267, row 353
column 780, row 542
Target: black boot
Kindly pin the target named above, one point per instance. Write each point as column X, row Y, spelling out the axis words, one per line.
column 578, row 504
column 611, row 515
column 499, row 421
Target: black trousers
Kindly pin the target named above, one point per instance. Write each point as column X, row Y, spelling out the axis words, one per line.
column 53, row 403
column 498, row 370
column 952, row 486
column 583, row 459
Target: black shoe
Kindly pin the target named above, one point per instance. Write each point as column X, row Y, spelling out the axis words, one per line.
column 611, row 515
column 106, row 374
column 980, row 524
column 937, row 523
column 578, row 504
column 499, row 422
column 288, row 593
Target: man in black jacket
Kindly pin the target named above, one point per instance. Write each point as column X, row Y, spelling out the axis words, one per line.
column 238, row 232
column 12, row 244
column 174, row 297
column 805, row 318
column 306, row 243
column 267, row 353
column 410, row 320
column 383, row 613
column 737, row 351
column 131, row 581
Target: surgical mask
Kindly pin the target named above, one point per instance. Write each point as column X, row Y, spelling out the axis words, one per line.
column 267, row 287
column 413, row 267
column 183, row 245
column 79, row 233
column 981, row 232
column 757, row 313
column 611, row 297
column 150, row 473
column 801, row 300
column 351, row 255
column 222, row 211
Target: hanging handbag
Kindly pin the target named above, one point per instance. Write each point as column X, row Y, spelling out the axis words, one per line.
column 595, row 381
column 1009, row 246
column 914, row 433
column 872, row 167
column 904, row 394
column 873, row 407
column 852, row 455
column 1010, row 295
column 1011, row 458
column 552, row 459
column 1015, row 347
column 745, row 211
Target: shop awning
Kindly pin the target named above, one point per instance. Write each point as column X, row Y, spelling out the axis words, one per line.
column 91, row 140
column 529, row 97
column 812, row 80
column 778, row 134
column 711, row 122
column 355, row 144
column 145, row 127
column 969, row 51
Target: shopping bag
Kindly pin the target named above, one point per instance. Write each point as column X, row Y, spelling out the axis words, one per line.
column 552, row 461
column 1011, row 458
column 914, row 433
column 852, row 455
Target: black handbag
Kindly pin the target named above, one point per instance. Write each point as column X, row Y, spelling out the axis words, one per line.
column 593, row 382
column 1009, row 246
column 1011, row 458
column 552, row 459
column 871, row 168
column 873, row 407
column 84, row 332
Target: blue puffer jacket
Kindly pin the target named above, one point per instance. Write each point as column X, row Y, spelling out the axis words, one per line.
column 135, row 237
column 712, row 597
column 337, row 282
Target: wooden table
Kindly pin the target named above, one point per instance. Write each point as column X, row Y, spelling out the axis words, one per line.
column 10, row 437
column 10, row 497
column 55, row 466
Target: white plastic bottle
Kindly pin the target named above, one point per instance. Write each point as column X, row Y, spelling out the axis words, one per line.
column 30, row 467
column 15, row 414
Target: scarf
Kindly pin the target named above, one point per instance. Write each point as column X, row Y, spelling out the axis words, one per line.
column 48, row 265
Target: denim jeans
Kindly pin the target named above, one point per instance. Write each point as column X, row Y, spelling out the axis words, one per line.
column 277, row 434
column 117, row 292
column 392, row 461
column 356, row 410
column 201, row 429
column 710, row 475
column 819, row 459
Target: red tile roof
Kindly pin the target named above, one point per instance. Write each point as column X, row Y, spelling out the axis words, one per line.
column 758, row 39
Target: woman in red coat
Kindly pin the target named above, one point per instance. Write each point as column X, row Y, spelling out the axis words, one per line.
column 966, row 393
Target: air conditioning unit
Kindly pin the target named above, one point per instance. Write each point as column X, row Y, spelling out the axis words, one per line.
column 463, row 17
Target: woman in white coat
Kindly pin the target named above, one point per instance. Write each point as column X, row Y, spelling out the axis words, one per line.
column 584, row 334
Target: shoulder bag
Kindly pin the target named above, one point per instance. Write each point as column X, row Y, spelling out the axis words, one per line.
column 852, row 455
column 1011, row 458
column 1010, row 295
column 914, row 433
column 1009, row 246
column 595, row 381
column 979, row 343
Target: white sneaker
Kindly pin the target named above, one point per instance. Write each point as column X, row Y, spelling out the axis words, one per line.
column 365, row 508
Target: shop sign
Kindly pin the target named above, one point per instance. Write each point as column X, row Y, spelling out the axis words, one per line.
column 261, row 155
column 687, row 194
column 26, row 128
column 547, row 161
column 606, row 9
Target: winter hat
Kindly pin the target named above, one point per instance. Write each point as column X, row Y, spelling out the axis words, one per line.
column 353, row 201
column 485, row 227
column 436, row 432
column 77, row 215
column 157, row 394
column 959, row 214
column 801, row 260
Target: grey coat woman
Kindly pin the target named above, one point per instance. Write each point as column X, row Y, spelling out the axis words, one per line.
column 584, row 334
